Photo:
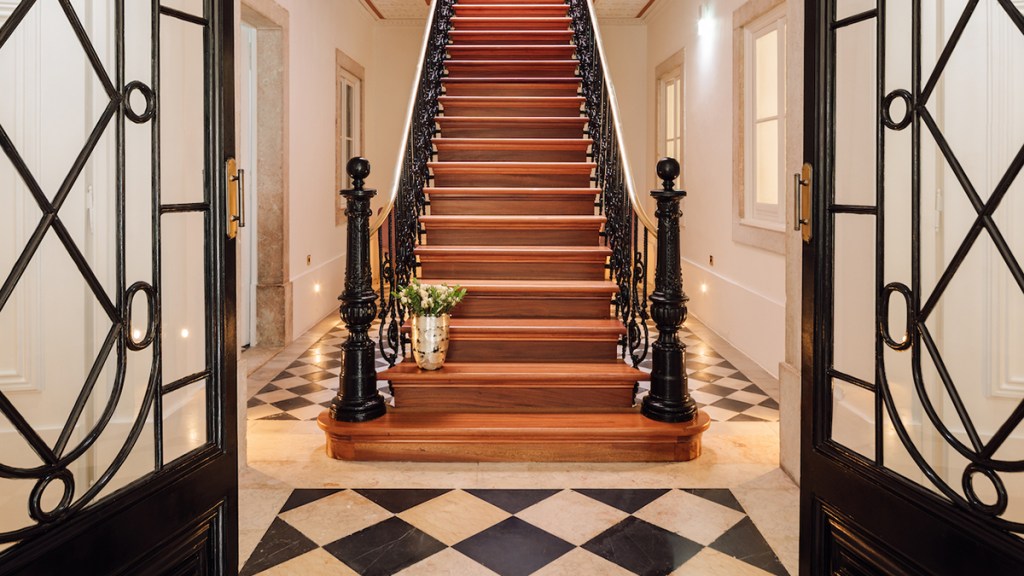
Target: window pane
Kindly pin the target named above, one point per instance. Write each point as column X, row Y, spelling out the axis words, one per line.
column 767, row 157
column 670, row 109
column 766, row 74
column 348, row 110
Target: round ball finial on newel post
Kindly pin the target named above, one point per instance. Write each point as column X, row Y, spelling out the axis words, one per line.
column 358, row 399
column 669, row 399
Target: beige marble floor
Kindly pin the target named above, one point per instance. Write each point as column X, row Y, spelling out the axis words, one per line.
column 741, row 456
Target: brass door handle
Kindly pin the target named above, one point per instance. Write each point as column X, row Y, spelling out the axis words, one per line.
column 802, row 202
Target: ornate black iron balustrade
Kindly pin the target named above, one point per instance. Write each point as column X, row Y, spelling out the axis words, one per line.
column 625, row 232
column 400, row 232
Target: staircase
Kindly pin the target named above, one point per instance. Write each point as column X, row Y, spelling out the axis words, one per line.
column 533, row 369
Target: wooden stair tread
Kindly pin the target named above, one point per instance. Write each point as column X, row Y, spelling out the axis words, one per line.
column 580, row 144
column 498, row 191
column 527, row 286
column 627, row 421
column 498, row 374
column 515, row 253
column 513, row 101
column 516, row 120
column 519, row 80
column 506, row 51
column 513, row 222
column 512, row 167
column 517, row 37
column 551, row 326
column 619, row 436
column 509, row 23
column 511, row 9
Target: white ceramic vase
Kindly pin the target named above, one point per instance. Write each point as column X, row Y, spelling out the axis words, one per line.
column 430, row 340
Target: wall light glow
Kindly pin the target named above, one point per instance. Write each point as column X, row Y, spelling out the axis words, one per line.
column 704, row 20
column 136, row 334
column 316, row 287
column 704, row 287
column 184, row 332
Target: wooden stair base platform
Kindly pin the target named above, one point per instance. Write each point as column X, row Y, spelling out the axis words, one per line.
column 493, row 387
column 460, row 437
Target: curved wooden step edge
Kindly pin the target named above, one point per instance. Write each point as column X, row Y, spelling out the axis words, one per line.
column 495, row 191
column 505, row 144
column 505, row 374
column 624, row 436
column 533, row 329
column 514, row 254
column 531, row 286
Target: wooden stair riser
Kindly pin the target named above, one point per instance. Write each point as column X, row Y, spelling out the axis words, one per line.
column 497, row 155
column 542, row 270
column 553, row 351
column 508, row 306
column 470, row 128
column 502, row 237
column 513, row 180
column 511, row 52
column 510, row 69
column 510, row 205
column 533, row 150
column 429, row 437
column 510, row 37
column 513, row 397
column 565, row 88
column 512, row 9
column 522, row 107
column 511, row 23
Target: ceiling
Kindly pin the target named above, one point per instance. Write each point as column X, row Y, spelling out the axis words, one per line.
column 417, row 9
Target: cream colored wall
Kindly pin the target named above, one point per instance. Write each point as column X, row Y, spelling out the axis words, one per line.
column 746, row 287
column 625, row 52
column 388, row 53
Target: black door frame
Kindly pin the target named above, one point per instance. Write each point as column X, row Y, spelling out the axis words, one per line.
column 183, row 518
column 858, row 517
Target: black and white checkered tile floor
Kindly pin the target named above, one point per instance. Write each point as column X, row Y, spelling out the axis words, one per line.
column 306, row 387
column 513, row 533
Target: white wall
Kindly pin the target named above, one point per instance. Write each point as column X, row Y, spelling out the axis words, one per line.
column 388, row 52
column 746, row 296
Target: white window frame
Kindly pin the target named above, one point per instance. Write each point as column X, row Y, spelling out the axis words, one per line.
column 764, row 215
column 671, row 70
column 349, row 83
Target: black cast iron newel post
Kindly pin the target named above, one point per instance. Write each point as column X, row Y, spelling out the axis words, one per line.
column 358, row 399
column 669, row 399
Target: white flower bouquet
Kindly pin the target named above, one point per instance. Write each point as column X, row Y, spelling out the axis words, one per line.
column 430, row 299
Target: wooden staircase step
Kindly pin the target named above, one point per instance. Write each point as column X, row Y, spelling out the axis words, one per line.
column 511, row 106
column 511, row 126
column 533, row 340
column 512, row 52
column 501, row 230
column 512, row 174
column 511, row 86
column 467, row 2
column 509, row 23
column 510, row 263
column 624, row 436
column 512, row 149
column 566, row 299
column 511, row 201
column 514, row 387
column 511, row 68
column 512, row 9
column 506, row 37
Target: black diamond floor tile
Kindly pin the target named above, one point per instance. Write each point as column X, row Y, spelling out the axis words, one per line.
column 385, row 548
column 721, row 496
column 514, row 548
column 715, row 389
column 629, row 500
column 320, row 376
column 643, row 548
column 400, row 500
column 292, row 403
column 280, row 544
column 280, row 416
column 744, row 542
column 306, row 389
column 268, row 388
column 770, row 403
column 513, row 501
column 301, row 497
column 731, row 404
column 746, row 418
